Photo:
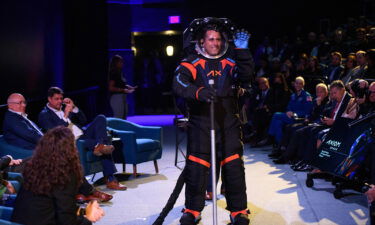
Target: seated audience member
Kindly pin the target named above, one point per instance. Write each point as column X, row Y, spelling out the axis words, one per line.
column 319, row 105
column 371, row 38
column 360, row 42
column 305, row 139
column 287, row 68
column 335, row 69
column 5, row 186
column 358, row 89
column 94, row 134
column 22, row 132
column 18, row 129
column 262, row 69
column 313, row 75
column 369, row 105
column 362, row 104
column 350, row 64
column 299, row 106
column 51, row 180
column 359, row 70
column 302, row 64
column 369, row 73
column 268, row 101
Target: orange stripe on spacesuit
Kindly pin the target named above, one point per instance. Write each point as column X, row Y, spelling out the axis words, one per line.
column 197, row 93
column 226, row 62
column 201, row 62
column 191, row 68
column 230, row 158
column 200, row 161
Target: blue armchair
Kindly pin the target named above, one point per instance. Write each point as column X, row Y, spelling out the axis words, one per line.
column 6, row 212
column 91, row 164
column 14, row 151
column 5, row 215
column 5, row 222
column 139, row 143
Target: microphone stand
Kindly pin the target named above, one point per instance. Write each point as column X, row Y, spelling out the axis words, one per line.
column 213, row 157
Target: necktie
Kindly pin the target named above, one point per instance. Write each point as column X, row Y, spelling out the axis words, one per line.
column 34, row 126
column 334, row 110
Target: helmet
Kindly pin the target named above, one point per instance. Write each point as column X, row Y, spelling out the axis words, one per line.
column 198, row 28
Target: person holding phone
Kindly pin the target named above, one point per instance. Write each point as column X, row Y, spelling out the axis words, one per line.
column 118, row 88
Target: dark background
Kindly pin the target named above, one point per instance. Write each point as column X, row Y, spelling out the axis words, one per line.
column 68, row 43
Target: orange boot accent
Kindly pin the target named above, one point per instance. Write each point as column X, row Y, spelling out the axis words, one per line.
column 196, row 214
column 234, row 214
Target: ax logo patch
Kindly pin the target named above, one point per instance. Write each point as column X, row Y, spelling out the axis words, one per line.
column 214, row 73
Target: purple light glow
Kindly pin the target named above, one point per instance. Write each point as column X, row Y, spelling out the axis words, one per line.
column 174, row 19
column 152, row 120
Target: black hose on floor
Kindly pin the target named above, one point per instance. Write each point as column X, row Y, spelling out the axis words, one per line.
column 172, row 199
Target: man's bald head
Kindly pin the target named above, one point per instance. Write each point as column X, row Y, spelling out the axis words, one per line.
column 17, row 103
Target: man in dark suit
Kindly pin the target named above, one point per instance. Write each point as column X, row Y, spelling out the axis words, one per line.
column 305, row 139
column 335, row 69
column 18, row 129
column 94, row 134
column 22, row 132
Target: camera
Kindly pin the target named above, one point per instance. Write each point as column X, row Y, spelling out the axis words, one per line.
column 357, row 90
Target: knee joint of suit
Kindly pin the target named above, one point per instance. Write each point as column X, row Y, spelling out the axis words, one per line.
column 197, row 167
column 232, row 161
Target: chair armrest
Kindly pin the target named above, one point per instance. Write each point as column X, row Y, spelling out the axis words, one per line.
column 5, row 222
column 6, row 212
column 81, row 150
column 14, row 151
column 121, row 133
column 128, row 139
column 15, row 176
column 150, row 132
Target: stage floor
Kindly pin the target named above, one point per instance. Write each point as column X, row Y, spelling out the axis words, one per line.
column 276, row 195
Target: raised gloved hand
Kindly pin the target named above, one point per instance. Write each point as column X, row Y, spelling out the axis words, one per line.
column 241, row 39
column 206, row 95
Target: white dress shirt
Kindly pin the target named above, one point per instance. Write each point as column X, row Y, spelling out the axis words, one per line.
column 76, row 130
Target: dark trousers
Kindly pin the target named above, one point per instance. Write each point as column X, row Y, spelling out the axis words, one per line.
column 218, row 169
column 307, row 148
column 86, row 188
column 288, row 132
column 261, row 122
column 197, row 165
column 96, row 133
column 302, row 143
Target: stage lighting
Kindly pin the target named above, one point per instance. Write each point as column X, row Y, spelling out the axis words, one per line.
column 174, row 19
column 169, row 50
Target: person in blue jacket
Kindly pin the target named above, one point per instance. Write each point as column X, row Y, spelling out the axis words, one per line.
column 299, row 106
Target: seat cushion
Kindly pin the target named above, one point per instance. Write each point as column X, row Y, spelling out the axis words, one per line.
column 146, row 145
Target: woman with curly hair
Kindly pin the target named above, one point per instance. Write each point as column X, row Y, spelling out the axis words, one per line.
column 51, row 180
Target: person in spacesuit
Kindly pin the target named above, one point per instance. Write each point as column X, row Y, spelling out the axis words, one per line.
column 230, row 65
